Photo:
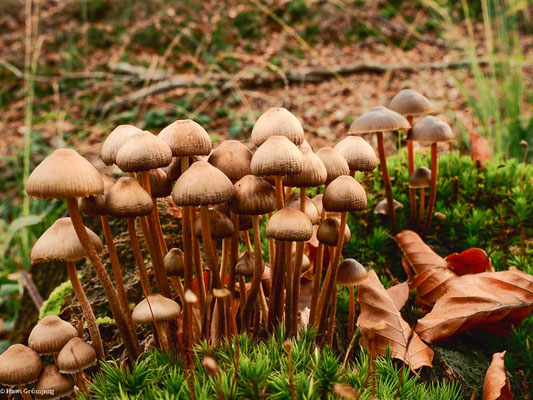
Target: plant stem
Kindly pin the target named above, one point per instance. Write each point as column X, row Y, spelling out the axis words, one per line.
column 422, row 207
column 258, row 273
column 137, row 255
column 386, row 182
column 433, row 188
column 351, row 312
column 411, row 169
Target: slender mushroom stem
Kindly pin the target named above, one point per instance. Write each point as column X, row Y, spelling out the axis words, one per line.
column 280, row 200
column 422, row 207
column 87, row 310
column 226, row 243
column 24, row 393
column 81, row 381
column 411, row 169
column 332, row 319
column 247, row 241
column 163, row 340
column 264, row 305
column 275, row 300
column 297, row 272
column 271, row 246
column 234, row 256
column 289, row 277
column 137, row 255
column 386, row 182
column 351, row 313
column 317, row 276
column 160, row 236
column 199, row 269
column 432, row 188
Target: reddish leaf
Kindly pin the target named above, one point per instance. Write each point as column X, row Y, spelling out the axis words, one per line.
column 471, row 261
column 480, row 149
column 496, row 385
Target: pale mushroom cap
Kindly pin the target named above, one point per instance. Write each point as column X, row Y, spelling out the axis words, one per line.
column 318, row 203
column 305, row 146
column 430, row 129
column 253, row 196
column 379, row 119
column 19, row 365
column 245, row 220
column 409, row 102
column 334, row 162
column 420, row 178
column 186, row 138
column 310, row 208
column 50, row 335
column 289, row 224
column 115, row 140
column 160, row 186
column 344, row 194
column 163, row 309
column 233, row 158
column 221, row 225
column 351, row 273
column 383, row 208
column 60, row 242
column 328, row 231
column 126, row 198
column 53, row 385
column 277, row 122
column 202, row 184
column 142, row 153
column 77, row 355
column 313, row 173
column 245, row 265
column 64, row 174
column 359, row 155
column 174, row 263
column 95, row 205
column 277, row 156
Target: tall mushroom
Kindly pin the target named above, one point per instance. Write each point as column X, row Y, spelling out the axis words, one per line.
column 50, row 335
column 53, row 385
column 359, row 155
column 277, row 122
column 420, row 179
column 76, row 356
column 20, row 365
column 115, row 140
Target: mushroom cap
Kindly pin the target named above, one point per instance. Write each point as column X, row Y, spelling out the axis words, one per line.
column 163, row 309
column 409, row 102
column 60, row 242
column 160, row 186
column 53, row 385
column 359, row 155
column 50, row 335
column 313, row 172
column 64, row 174
column 95, row 205
column 143, row 152
column 306, row 263
column 253, row 196
column 351, row 273
column 289, row 224
column 114, row 141
column 328, row 231
column 186, row 138
column 430, row 129
column 233, row 158
column 420, row 178
column 344, row 194
column 334, row 162
column 19, row 365
column 318, row 203
column 277, row 156
column 310, row 208
column 245, row 220
column 76, row 355
column 382, row 207
column 126, row 198
column 202, row 184
column 379, row 119
column 174, row 263
column 277, row 122
column 221, row 225
column 245, row 265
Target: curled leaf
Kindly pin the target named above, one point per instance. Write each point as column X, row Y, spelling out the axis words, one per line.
column 431, row 284
column 399, row 294
column 471, row 261
column 418, row 255
column 496, row 385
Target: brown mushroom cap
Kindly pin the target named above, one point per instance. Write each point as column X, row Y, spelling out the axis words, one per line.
column 289, row 224
column 344, row 194
column 221, row 225
column 310, row 208
column 53, row 385
column 383, row 208
column 186, row 138
column 328, row 231
column 277, row 156
column 160, row 186
column 233, row 158
column 50, row 335
column 245, row 265
column 318, row 203
column 359, row 155
column 142, row 153
column 163, row 309
column 75, row 356
column 95, row 205
column 126, row 198
column 245, row 220
column 430, row 129
column 114, row 141
column 334, row 162
column 64, row 174
column 277, row 122
column 351, row 273
column 409, row 102
column 253, row 196
column 202, row 184
column 19, row 365
column 174, row 263
column 313, row 173
column 60, row 242
column 379, row 119
column 420, row 178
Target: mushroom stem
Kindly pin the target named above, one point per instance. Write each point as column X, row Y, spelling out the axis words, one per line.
column 264, row 305
column 332, row 319
column 296, row 274
column 289, row 277
column 271, row 246
column 176, row 281
column 137, row 254
column 242, row 289
column 160, row 237
column 24, row 393
column 81, row 381
column 199, row 269
column 317, row 277
column 226, row 244
column 125, row 333
column 163, row 339
column 386, row 182
column 351, row 313
column 87, row 310
column 280, row 200
column 411, row 169
column 247, row 241
column 422, row 207
column 432, row 188
column 275, row 300
column 234, row 256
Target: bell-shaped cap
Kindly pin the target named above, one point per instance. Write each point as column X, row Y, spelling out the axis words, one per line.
column 253, row 196
column 162, row 308
column 126, row 198
column 328, row 231
column 305, row 146
column 221, row 225
column 19, row 365
column 277, row 156
column 95, row 205
column 277, row 122
column 318, row 203
column 430, row 129
column 50, row 335
column 120, row 135
column 306, row 263
column 313, row 172
column 64, row 174
column 142, row 153
column 351, row 273
column 60, row 242
column 420, row 178
column 233, row 158
column 379, row 119
column 334, row 162
column 359, row 155
column 290, row 225
column 383, row 208
column 77, row 355
column 201, row 185
column 174, row 263
column 186, row 138
column 344, row 194
column 245, row 220
column 245, row 265
column 310, row 208
column 160, row 186
column 409, row 102
column 53, row 385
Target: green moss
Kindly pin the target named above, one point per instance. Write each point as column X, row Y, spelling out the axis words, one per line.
column 52, row 305
column 105, row 321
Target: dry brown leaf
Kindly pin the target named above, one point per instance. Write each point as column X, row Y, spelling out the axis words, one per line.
column 396, row 334
column 496, row 385
column 399, row 294
column 419, row 255
column 480, row 149
column 430, row 285
column 493, row 301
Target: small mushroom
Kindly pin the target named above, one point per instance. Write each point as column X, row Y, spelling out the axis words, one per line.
column 359, row 155
column 310, row 208
column 220, row 225
column 53, row 385
column 20, row 365
column 277, row 122
column 175, row 266
column 334, row 162
column 115, row 140
column 383, row 206
column 233, row 158
column 75, row 357
column 50, row 335
column 420, row 179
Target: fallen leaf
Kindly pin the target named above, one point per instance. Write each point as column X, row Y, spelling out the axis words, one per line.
column 471, row 261
column 430, row 285
column 496, row 385
column 395, row 334
column 399, row 294
column 419, row 255
column 480, row 149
